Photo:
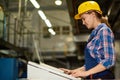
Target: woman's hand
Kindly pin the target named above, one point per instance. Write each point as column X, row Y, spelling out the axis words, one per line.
column 66, row 71
column 79, row 73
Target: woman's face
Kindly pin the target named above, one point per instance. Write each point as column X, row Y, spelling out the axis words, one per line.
column 88, row 20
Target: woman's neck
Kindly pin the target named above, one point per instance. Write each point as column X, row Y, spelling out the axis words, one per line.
column 96, row 23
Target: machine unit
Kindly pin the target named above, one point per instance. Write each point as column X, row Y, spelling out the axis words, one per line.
column 45, row 72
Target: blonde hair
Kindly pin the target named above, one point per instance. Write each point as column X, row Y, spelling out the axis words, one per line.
column 102, row 18
column 105, row 20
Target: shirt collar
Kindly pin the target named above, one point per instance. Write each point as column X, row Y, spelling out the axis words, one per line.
column 98, row 28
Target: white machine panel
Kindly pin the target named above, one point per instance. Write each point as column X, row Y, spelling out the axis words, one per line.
column 45, row 72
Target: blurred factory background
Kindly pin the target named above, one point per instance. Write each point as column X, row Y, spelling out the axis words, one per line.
column 49, row 33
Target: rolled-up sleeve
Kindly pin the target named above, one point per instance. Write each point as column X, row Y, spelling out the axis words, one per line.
column 107, row 43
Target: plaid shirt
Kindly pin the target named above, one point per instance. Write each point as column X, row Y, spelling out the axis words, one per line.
column 101, row 45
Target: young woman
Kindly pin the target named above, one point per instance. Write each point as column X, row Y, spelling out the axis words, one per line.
column 99, row 51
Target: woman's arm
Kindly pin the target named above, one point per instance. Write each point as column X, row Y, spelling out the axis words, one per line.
column 96, row 69
column 93, row 70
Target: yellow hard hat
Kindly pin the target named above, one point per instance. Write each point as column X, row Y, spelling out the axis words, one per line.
column 87, row 6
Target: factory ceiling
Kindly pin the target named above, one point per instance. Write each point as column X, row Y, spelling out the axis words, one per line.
column 64, row 15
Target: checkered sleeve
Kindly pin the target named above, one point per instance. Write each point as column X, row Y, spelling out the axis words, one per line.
column 107, row 42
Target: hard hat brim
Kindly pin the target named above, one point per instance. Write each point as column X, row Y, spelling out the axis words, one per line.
column 77, row 16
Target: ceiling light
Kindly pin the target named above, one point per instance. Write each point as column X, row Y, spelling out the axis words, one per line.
column 48, row 23
column 42, row 15
column 35, row 3
column 58, row 2
column 51, row 31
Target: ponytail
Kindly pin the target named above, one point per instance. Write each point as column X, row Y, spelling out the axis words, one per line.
column 105, row 20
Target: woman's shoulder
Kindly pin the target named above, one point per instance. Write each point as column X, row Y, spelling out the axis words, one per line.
column 105, row 28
